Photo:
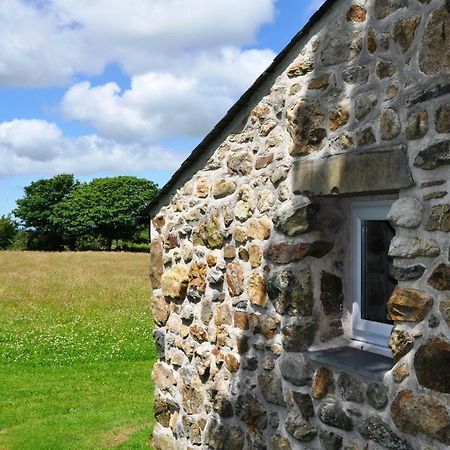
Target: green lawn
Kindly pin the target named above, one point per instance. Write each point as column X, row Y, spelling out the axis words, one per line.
column 75, row 351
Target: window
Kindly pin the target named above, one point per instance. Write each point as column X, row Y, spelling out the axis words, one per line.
column 372, row 282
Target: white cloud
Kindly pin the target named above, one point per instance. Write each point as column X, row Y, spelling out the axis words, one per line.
column 163, row 104
column 39, row 147
column 48, row 42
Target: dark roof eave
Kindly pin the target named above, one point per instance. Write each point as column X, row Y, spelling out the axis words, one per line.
column 235, row 109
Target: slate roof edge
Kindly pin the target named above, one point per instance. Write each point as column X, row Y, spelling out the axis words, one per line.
column 233, row 111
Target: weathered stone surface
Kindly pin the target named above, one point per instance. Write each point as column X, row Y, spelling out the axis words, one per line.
column 232, row 362
column 156, row 262
column 279, row 173
column 389, row 124
column 321, row 82
column 246, row 204
column 251, row 411
column 227, row 438
column 432, row 362
column 197, row 276
column 406, row 212
column 241, row 163
column 402, row 247
column 256, row 289
column 338, row 118
column 376, row 429
column 385, row 69
column 341, row 174
column 279, row 442
column 229, row 251
column 240, row 234
column 377, row 395
column 160, row 310
column 443, row 119
column 417, row 125
column 241, row 320
column 341, row 47
column 331, row 293
column 330, row 440
column 356, row 75
column 198, row 333
column 296, row 370
column 434, row 156
column 160, row 342
column 356, row 14
column 223, row 314
column 415, row 414
column 372, row 44
column 259, row 228
column 263, row 161
column 298, row 336
column 350, row 388
column 300, row 68
column 434, row 56
column 304, row 403
column 384, row 8
column 285, row 253
column 405, row 31
column 208, row 232
column 391, row 91
column 444, row 308
column 265, row 200
column 365, row 103
column 264, row 324
column 175, row 281
column 202, row 187
column 365, row 137
column 243, row 254
column 291, row 293
column 163, row 376
column 323, row 379
column 223, row 188
column 401, row 343
column 163, row 438
column 235, row 279
column 292, row 217
column 255, row 254
column 192, row 396
column 439, row 219
column 299, row 428
column 409, row 305
column 271, row 389
column 401, row 372
column 306, row 127
column 440, row 278
column 434, row 195
column 330, row 413
column 267, row 127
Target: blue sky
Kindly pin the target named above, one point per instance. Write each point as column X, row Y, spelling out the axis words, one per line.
column 99, row 89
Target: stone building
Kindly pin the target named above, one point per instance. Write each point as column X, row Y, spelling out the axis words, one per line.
column 300, row 255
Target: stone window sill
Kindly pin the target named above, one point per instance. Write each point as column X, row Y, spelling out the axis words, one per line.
column 352, row 360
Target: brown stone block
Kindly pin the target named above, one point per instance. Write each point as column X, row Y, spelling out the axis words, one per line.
column 235, row 279
column 285, row 253
column 440, row 278
column 409, row 305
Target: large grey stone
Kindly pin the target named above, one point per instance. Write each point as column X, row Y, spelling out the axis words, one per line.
column 299, row 428
column 296, row 370
column 434, row 56
column 434, row 156
column 291, row 292
column 298, row 336
column 384, row 8
column 350, row 388
column 251, row 411
column 384, row 170
column 403, row 247
column 271, row 389
column 341, row 47
column 376, row 429
column 292, row 217
column 406, row 212
column 331, row 413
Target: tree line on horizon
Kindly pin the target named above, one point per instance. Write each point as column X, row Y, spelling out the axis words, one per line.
column 61, row 213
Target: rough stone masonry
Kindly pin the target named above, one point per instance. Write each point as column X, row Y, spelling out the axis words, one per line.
column 249, row 256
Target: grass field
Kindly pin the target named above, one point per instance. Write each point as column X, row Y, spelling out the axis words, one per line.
column 75, row 351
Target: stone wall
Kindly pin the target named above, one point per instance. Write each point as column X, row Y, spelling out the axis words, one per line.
column 249, row 259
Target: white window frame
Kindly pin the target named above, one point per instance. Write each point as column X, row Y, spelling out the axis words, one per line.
column 366, row 331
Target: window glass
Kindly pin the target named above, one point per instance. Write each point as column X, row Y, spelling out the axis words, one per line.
column 377, row 283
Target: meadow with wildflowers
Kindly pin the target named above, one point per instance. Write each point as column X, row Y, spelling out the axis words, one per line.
column 76, row 351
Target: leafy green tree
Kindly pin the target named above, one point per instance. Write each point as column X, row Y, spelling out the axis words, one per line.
column 8, row 231
column 105, row 208
column 35, row 211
